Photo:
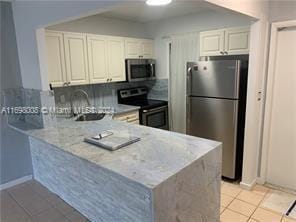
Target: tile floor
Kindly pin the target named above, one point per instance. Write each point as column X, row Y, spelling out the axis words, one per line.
column 261, row 204
column 32, row 202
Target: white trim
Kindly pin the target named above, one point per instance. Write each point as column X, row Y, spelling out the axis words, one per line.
column 269, row 95
column 248, row 186
column 15, row 182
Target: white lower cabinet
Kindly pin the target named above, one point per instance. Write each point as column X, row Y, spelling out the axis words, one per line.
column 130, row 117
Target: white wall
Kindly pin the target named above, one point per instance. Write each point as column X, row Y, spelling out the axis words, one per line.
column 31, row 15
column 282, row 11
column 103, row 26
column 191, row 23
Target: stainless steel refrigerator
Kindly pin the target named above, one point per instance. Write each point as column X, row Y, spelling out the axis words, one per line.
column 216, row 100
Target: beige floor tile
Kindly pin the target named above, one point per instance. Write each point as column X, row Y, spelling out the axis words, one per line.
column 288, row 219
column 11, row 211
column 242, row 207
column 252, row 220
column 226, row 200
column 230, row 216
column 250, row 197
column 64, row 208
column 230, row 189
column 278, row 201
column 49, row 215
column 75, row 216
column 34, row 205
column 263, row 215
column 293, row 214
column 260, row 189
column 222, row 209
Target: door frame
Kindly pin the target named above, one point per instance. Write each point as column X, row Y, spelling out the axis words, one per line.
column 275, row 28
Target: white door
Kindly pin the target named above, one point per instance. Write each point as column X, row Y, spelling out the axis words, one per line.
column 237, row 41
column 212, row 43
column 97, row 58
column 116, row 63
column 147, row 49
column 76, row 58
column 132, row 48
column 281, row 145
column 56, row 59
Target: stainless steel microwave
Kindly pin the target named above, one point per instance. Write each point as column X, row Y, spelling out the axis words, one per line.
column 140, row 69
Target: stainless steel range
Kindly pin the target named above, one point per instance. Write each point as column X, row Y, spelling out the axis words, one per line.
column 153, row 113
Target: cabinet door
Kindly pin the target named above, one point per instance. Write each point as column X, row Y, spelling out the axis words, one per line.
column 97, row 58
column 76, row 58
column 116, row 64
column 56, row 59
column 212, row 43
column 132, row 48
column 237, row 40
column 147, row 49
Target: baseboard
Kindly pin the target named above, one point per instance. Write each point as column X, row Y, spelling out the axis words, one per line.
column 248, row 186
column 15, row 182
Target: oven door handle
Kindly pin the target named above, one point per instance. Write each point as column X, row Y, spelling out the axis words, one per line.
column 155, row 109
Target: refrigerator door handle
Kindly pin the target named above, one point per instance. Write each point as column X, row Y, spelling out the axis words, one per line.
column 188, row 114
column 189, row 78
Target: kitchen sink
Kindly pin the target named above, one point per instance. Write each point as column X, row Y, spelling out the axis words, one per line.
column 90, row 117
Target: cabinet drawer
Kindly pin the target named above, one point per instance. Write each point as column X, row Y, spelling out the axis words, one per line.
column 127, row 117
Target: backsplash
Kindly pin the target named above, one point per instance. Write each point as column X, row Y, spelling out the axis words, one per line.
column 105, row 95
column 17, row 98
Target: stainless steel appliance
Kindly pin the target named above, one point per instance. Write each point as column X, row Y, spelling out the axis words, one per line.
column 153, row 113
column 140, row 69
column 216, row 100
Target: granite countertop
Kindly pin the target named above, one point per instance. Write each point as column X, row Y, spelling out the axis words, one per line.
column 156, row 157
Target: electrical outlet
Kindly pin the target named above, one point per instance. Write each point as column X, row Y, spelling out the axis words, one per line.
column 62, row 99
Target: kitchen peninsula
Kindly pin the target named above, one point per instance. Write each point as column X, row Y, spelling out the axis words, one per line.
column 165, row 177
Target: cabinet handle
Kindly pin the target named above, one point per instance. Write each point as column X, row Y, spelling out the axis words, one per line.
column 222, row 53
column 69, row 83
column 110, row 79
column 225, row 52
column 65, row 84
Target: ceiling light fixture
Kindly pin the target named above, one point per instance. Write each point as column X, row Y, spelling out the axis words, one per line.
column 158, row 2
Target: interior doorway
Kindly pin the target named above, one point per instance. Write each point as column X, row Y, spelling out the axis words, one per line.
column 279, row 140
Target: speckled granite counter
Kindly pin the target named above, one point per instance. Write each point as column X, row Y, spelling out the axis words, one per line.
column 165, row 177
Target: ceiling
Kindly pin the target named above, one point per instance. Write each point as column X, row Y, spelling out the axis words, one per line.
column 140, row 12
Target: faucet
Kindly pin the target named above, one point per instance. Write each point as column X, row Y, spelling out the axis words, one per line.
column 77, row 91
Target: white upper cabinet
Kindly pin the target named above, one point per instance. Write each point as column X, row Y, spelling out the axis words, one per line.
column 56, row 59
column 211, row 43
column 139, row 48
column 97, row 58
column 79, row 58
column 132, row 48
column 147, row 48
column 232, row 41
column 237, row 40
column 76, row 58
column 116, row 64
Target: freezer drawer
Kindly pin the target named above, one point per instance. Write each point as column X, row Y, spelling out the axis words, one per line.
column 215, row 119
column 218, row 79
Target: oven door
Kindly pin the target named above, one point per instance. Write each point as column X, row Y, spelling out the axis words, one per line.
column 140, row 69
column 157, row 117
